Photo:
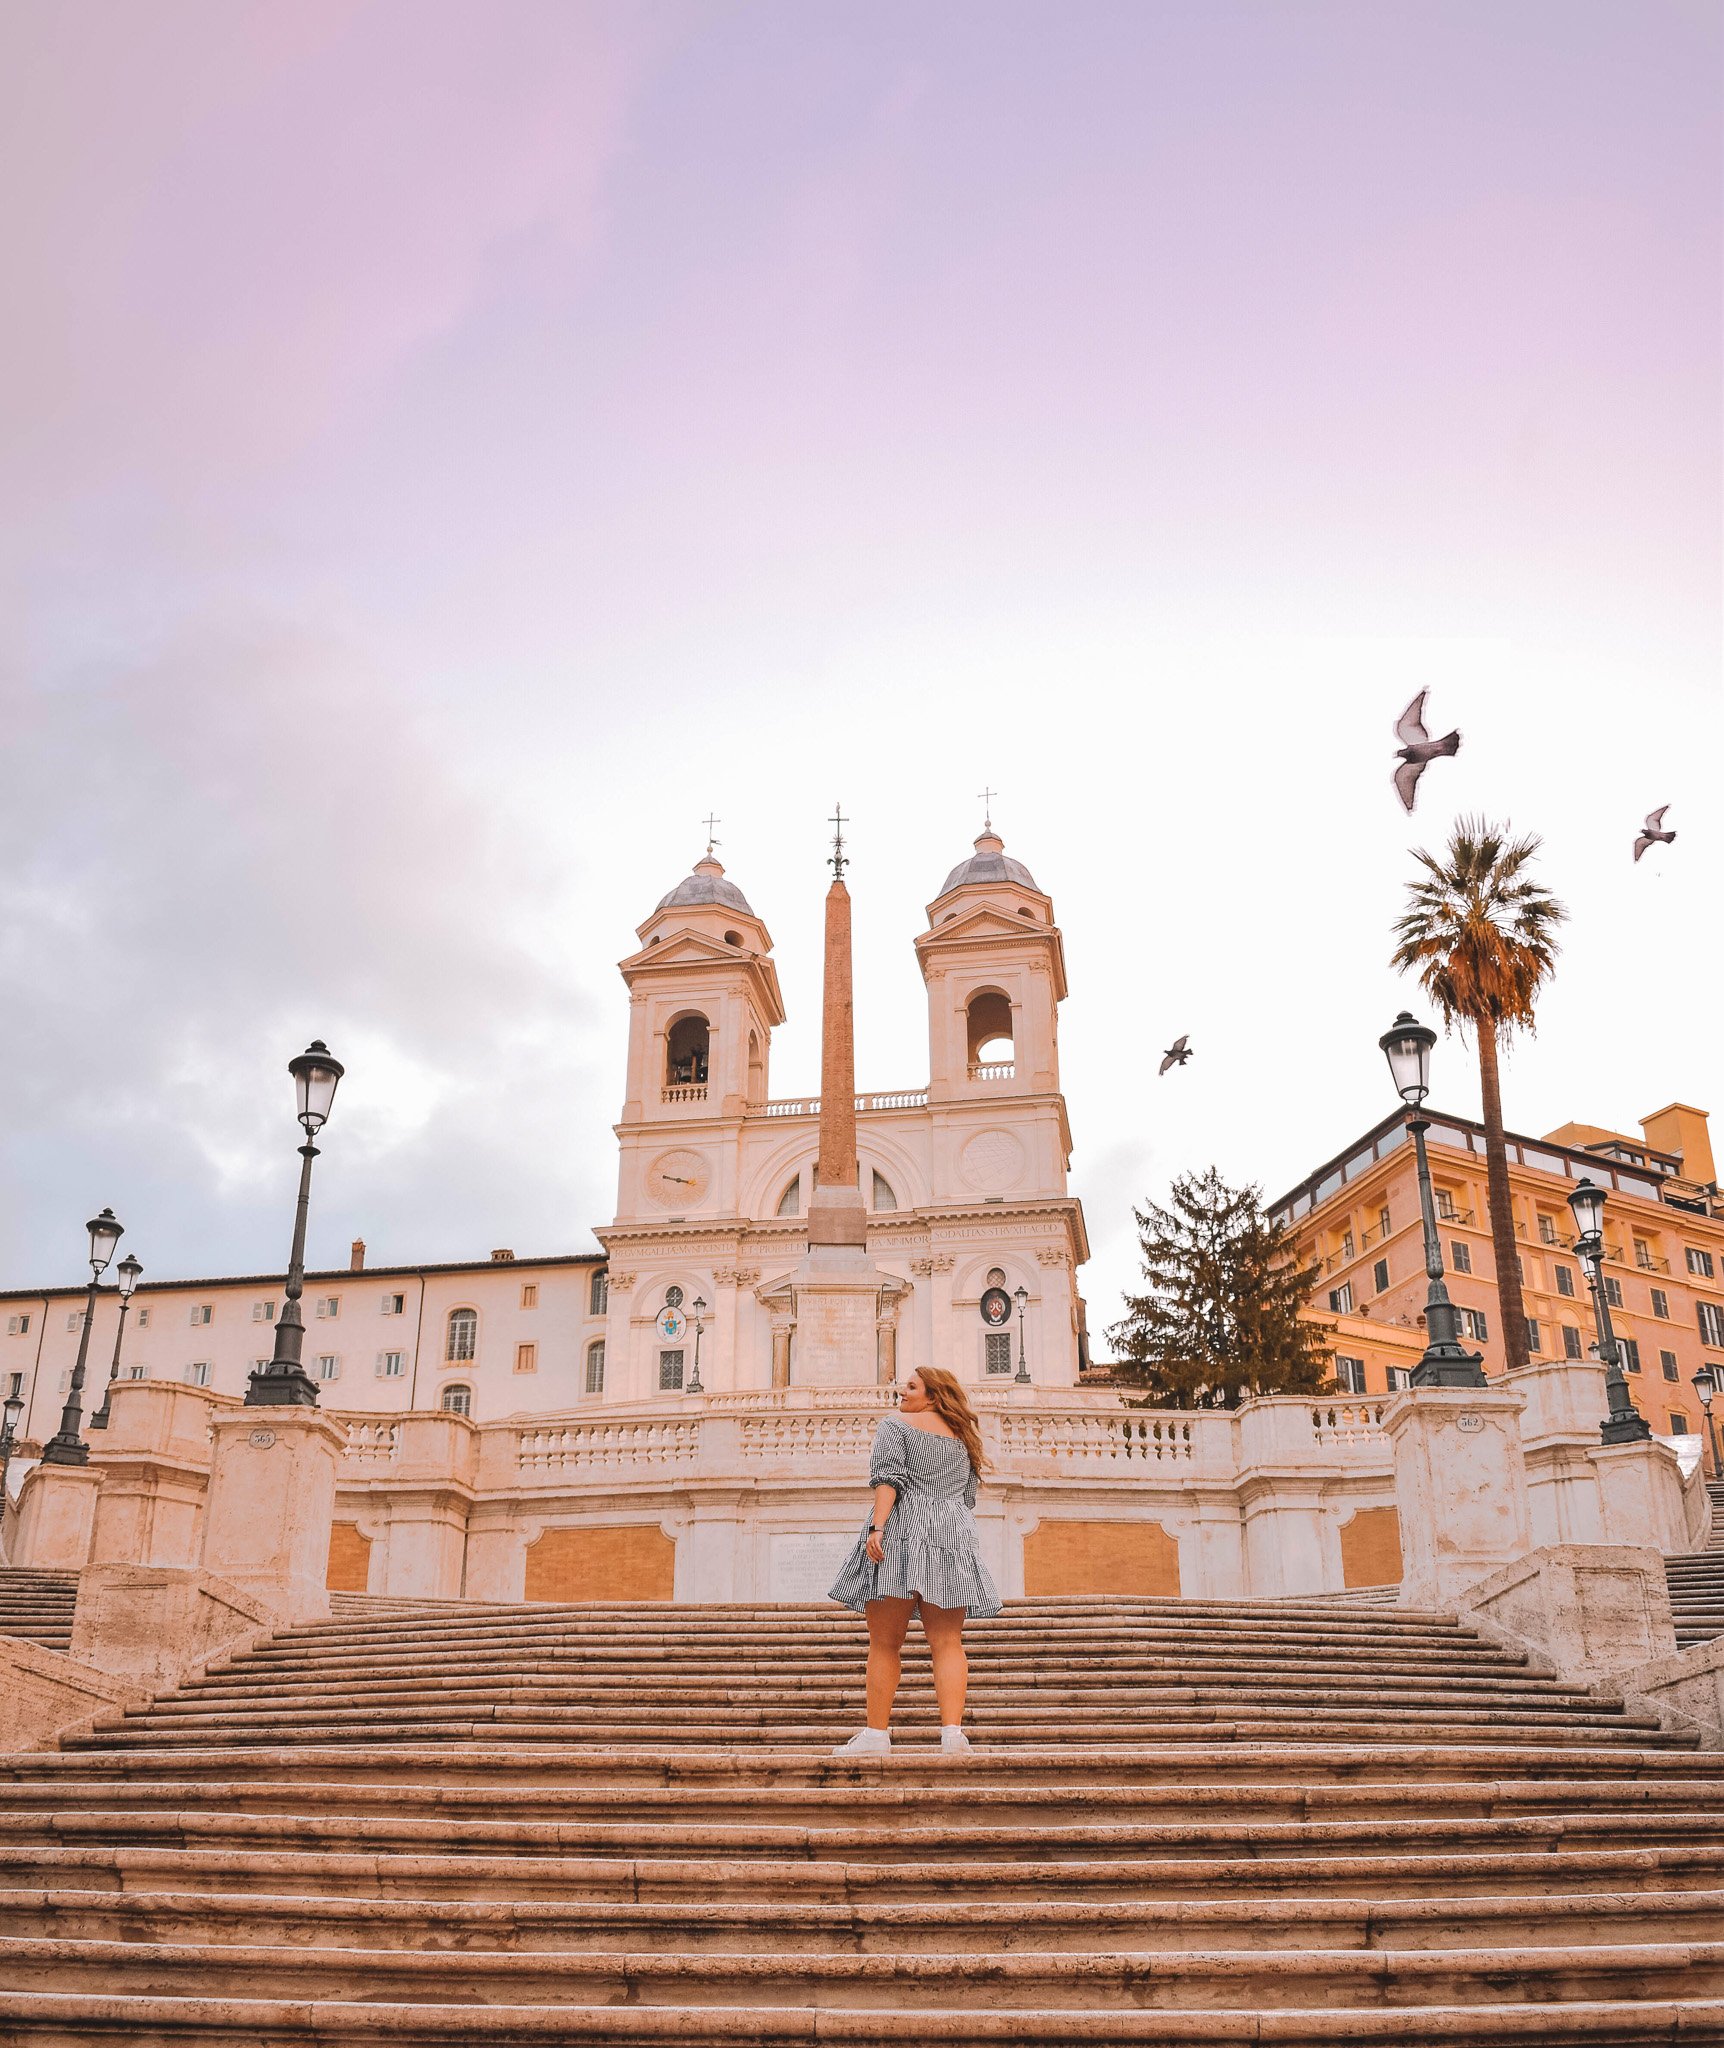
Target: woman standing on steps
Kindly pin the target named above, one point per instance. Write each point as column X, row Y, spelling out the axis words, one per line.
column 919, row 1554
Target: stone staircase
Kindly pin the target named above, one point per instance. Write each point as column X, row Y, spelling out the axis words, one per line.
column 1184, row 1822
column 1697, row 1582
column 38, row 1605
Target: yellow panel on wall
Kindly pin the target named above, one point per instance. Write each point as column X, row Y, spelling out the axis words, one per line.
column 629, row 1561
column 349, row 1559
column 1100, row 1557
column 1371, row 1548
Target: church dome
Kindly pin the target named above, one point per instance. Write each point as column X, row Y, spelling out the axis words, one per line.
column 989, row 863
column 705, row 885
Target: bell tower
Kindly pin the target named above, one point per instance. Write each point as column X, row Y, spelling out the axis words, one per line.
column 994, row 965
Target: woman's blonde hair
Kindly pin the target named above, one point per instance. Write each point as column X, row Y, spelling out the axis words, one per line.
column 949, row 1402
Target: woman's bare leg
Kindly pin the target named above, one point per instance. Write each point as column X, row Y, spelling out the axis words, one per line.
column 944, row 1628
column 888, row 1623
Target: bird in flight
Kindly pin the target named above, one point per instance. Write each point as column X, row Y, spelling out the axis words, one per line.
column 1176, row 1054
column 1417, row 747
column 1652, row 833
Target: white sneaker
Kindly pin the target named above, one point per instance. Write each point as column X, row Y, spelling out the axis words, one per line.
column 866, row 1742
column 954, row 1742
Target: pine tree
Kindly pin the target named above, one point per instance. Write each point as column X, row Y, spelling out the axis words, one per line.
column 1220, row 1318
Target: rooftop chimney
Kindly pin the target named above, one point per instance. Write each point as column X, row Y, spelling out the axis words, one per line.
column 503, row 1257
column 356, row 1258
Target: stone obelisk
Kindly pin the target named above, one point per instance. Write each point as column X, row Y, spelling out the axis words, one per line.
column 837, row 1285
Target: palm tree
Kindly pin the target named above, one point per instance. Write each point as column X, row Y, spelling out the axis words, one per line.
column 1481, row 934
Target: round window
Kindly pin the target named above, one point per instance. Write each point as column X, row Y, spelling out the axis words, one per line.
column 996, row 1276
column 673, row 1297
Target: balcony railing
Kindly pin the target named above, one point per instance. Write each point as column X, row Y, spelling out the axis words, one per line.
column 809, row 1105
column 1648, row 1260
column 992, row 1070
column 684, row 1091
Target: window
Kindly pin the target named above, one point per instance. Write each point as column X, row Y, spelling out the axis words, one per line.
column 988, row 1019
column 263, row 1311
column 1564, row 1281
column 14, row 1386
column 1350, row 1375
column 1613, row 1290
column 1341, row 1299
column 143, row 1322
column 1630, row 1353
column 996, row 1276
column 328, row 1305
column 997, row 1352
column 884, row 1198
column 1699, row 1262
column 673, row 1297
column 198, row 1375
column 1668, row 1366
column 1475, row 1326
column 394, row 1304
column 1446, row 1204
column 596, row 1367
column 19, row 1326
column 261, row 1364
column 1380, row 1276
column 1346, row 1244
column 1661, row 1304
column 329, row 1366
column 1571, row 1344
column 137, row 1372
column 1398, row 1377
column 1534, row 1336
column 1547, row 1229
column 670, row 1372
column 790, row 1202
column 599, row 1293
column 462, row 1339
column 201, row 1316
column 1383, row 1220
column 1678, row 1424
column 458, row 1399
column 529, row 1294
column 1711, row 1318
column 77, row 1315
column 391, row 1365
column 1519, row 1269
column 1461, row 1257
column 686, row 1046
column 526, row 1358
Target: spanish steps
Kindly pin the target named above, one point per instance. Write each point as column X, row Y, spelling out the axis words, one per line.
column 1183, row 1822
column 1697, row 1582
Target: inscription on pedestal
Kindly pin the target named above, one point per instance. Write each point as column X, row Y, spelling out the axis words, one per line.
column 802, row 1566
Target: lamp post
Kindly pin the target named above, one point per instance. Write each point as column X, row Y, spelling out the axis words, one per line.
column 11, row 1414
column 699, row 1307
column 1705, row 1384
column 1624, row 1424
column 1446, row 1361
column 283, row 1383
column 127, row 1273
column 1021, row 1378
column 66, row 1446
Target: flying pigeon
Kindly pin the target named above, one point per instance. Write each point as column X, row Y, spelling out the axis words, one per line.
column 1650, row 832
column 1177, row 1053
column 1417, row 747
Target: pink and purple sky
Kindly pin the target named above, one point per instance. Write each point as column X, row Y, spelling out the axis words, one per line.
column 449, row 448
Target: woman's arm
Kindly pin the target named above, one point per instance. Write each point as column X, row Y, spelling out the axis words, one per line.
column 884, row 1496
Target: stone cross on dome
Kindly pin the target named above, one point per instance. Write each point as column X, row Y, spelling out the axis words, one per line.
column 712, row 824
column 987, row 796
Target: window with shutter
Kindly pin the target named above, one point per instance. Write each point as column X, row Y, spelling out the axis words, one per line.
column 1571, row 1344
column 1668, row 1366
column 1460, row 1257
column 1565, row 1281
column 1661, row 1304
column 670, row 1372
column 1380, row 1276
column 997, row 1352
column 1613, row 1290
column 1630, row 1351
column 1350, row 1375
column 596, row 1367
column 1711, row 1320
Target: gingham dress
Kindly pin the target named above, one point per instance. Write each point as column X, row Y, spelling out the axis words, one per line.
column 930, row 1538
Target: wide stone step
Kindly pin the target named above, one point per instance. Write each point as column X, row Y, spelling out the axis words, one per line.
column 1201, row 1979
column 1534, row 1870
column 868, row 1926
column 73, row 2020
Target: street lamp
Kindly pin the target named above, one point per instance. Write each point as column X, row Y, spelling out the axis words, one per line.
column 699, row 1307
column 1446, row 1362
column 11, row 1414
column 1624, row 1424
column 66, row 1446
column 1705, row 1384
column 127, row 1273
column 283, row 1383
column 1021, row 1378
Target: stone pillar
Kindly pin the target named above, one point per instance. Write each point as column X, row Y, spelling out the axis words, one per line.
column 154, row 1461
column 271, row 1501
column 782, row 1325
column 1588, row 1608
column 1641, row 1488
column 1460, row 1488
column 886, row 1337
column 1565, row 1401
column 55, row 1512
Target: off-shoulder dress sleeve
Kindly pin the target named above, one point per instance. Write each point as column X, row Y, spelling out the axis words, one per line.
column 888, row 1464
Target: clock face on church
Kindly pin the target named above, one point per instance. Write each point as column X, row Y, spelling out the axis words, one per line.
column 678, row 1180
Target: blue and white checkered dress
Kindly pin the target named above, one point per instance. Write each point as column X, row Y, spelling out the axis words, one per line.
column 930, row 1537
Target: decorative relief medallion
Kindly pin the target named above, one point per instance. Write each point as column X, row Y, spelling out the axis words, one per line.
column 263, row 1438
column 992, row 1162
